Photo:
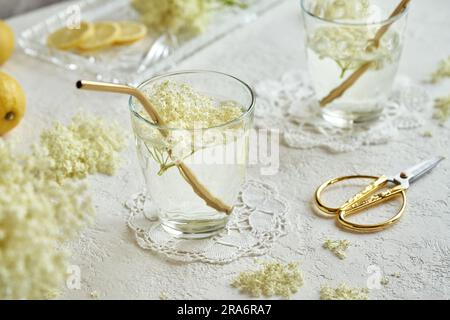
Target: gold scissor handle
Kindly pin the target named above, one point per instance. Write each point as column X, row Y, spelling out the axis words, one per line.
column 330, row 211
column 362, row 200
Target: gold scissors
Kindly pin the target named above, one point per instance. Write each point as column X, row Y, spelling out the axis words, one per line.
column 368, row 198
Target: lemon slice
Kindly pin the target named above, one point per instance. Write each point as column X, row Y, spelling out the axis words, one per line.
column 130, row 31
column 105, row 34
column 66, row 38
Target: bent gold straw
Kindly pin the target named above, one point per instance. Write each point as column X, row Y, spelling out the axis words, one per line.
column 373, row 43
column 184, row 170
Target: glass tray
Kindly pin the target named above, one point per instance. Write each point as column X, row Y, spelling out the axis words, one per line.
column 130, row 64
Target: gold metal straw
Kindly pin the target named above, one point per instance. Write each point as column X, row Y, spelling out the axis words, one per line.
column 184, row 170
column 374, row 43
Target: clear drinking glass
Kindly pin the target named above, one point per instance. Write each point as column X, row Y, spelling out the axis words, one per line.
column 340, row 44
column 216, row 156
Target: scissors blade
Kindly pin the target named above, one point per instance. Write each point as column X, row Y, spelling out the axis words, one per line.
column 412, row 174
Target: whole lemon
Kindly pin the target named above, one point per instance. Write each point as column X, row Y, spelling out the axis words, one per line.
column 12, row 103
column 6, row 42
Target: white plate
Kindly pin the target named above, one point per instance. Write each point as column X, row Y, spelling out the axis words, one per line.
column 126, row 64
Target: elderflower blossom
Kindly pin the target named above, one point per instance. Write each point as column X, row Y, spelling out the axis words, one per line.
column 180, row 106
column 173, row 15
column 443, row 71
column 180, row 16
column 343, row 292
column 347, row 45
column 40, row 209
column 351, row 45
column 338, row 247
column 274, row 279
column 186, row 111
column 86, row 146
column 36, row 215
column 341, row 9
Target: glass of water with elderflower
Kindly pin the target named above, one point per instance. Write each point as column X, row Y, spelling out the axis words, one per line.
column 353, row 51
column 194, row 159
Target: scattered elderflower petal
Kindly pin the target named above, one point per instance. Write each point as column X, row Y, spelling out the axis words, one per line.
column 95, row 295
column 274, row 279
column 86, row 146
column 395, row 275
column 163, row 296
column 442, row 109
column 37, row 214
column 343, row 292
column 338, row 247
column 427, row 134
column 443, row 71
column 384, row 281
column 52, row 294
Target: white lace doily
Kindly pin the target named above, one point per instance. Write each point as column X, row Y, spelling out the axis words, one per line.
column 258, row 220
column 287, row 104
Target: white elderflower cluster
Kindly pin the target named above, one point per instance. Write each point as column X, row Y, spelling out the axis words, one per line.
column 86, row 146
column 341, row 9
column 351, row 46
column 274, row 279
column 180, row 16
column 182, row 107
column 347, row 45
column 40, row 208
column 173, row 15
column 36, row 215
column 343, row 292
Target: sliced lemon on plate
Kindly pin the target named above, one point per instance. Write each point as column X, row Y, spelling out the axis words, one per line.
column 105, row 34
column 69, row 38
column 130, row 31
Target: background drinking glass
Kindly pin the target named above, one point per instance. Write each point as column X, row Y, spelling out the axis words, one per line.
column 339, row 41
column 217, row 156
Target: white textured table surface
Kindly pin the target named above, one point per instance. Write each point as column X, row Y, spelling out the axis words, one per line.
column 418, row 247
